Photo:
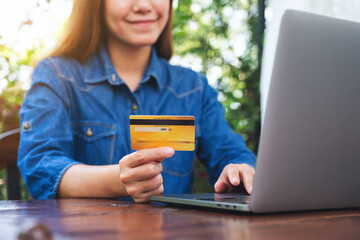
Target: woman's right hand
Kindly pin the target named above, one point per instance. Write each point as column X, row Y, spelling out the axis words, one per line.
column 140, row 172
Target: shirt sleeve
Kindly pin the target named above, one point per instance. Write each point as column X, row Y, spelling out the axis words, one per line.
column 219, row 145
column 46, row 142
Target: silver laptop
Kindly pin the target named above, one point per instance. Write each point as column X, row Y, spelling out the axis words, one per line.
column 309, row 152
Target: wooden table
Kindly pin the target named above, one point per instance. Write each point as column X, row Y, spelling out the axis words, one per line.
column 122, row 219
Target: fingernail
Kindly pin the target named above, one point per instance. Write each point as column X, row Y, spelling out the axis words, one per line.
column 234, row 180
column 169, row 151
column 250, row 189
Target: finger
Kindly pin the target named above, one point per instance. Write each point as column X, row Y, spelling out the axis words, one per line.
column 247, row 177
column 149, row 155
column 233, row 175
column 145, row 197
column 142, row 187
column 150, row 188
column 220, row 187
column 145, row 171
column 141, row 173
column 151, row 184
column 224, row 185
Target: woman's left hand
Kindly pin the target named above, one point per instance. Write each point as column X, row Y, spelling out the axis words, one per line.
column 231, row 177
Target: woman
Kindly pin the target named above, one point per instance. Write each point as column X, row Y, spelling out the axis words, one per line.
column 112, row 63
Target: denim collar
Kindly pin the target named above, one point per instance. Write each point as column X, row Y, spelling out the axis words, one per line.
column 100, row 68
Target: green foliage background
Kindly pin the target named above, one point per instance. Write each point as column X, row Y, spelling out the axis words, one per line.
column 238, row 85
column 10, row 102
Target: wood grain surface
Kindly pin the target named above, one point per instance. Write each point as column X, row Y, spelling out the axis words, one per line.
column 123, row 219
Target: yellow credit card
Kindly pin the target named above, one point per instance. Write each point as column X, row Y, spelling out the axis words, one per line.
column 150, row 131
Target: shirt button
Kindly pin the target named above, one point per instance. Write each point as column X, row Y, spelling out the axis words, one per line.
column 113, row 77
column 26, row 125
column 89, row 133
column 134, row 107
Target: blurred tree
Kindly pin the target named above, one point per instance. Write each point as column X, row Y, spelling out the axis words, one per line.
column 203, row 32
column 11, row 66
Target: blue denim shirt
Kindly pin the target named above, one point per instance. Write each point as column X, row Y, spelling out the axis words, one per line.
column 79, row 113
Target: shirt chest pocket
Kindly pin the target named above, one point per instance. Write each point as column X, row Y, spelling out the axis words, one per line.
column 94, row 143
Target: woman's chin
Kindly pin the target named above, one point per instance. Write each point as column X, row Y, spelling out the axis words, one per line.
column 144, row 43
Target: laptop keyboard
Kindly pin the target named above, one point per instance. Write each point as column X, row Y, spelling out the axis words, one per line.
column 238, row 199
